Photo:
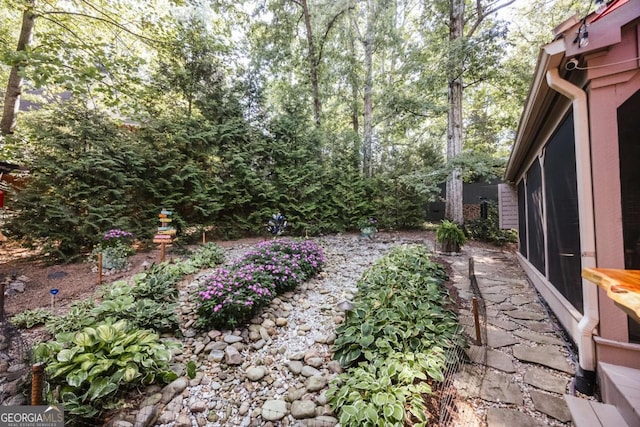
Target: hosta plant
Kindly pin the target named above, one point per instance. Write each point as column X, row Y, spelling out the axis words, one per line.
column 30, row 318
column 90, row 370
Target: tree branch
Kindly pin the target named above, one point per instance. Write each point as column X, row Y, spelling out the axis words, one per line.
column 483, row 12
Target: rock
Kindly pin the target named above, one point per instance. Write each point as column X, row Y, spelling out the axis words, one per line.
column 259, row 343
column 244, row 408
column 304, row 328
column 231, row 339
column 334, row 367
column 121, row 423
column 547, row 355
column 321, row 421
column 295, row 366
column 199, row 406
column 316, row 362
column 553, row 406
column 539, row 377
column 213, row 334
column 177, row 386
column 232, row 356
column 281, row 321
column 267, row 324
column 303, row 409
column 501, row 388
column 316, row 383
column 297, row 356
column 151, row 400
column 295, row 394
column 216, row 355
column 183, row 421
column 256, row 373
column 146, row 415
column 264, row 334
column 511, row 417
column 309, row 371
column 198, row 348
column 274, row 410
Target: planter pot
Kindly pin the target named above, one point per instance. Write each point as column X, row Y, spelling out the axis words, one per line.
column 449, row 246
column 368, row 232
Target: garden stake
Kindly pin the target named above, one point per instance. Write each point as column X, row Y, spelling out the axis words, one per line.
column 100, row 268
column 204, row 237
column 37, row 383
column 476, row 320
column 163, row 248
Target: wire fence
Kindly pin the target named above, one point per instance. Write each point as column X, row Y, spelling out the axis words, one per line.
column 473, row 325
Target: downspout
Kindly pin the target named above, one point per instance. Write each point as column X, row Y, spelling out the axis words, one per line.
column 585, row 375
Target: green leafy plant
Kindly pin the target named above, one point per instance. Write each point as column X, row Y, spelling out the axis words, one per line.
column 89, row 370
column 488, row 229
column 30, row 318
column 398, row 333
column 450, row 236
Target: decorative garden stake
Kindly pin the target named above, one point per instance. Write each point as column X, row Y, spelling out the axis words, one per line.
column 53, row 292
column 277, row 224
column 166, row 232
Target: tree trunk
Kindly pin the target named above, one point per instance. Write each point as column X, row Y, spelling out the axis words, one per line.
column 14, row 86
column 367, row 138
column 313, row 62
column 453, row 206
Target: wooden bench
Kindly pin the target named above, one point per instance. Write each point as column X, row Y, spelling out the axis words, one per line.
column 588, row 413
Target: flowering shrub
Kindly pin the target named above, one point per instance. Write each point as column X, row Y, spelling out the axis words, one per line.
column 231, row 295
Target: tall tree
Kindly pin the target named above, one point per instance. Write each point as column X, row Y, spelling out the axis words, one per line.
column 14, row 84
column 461, row 30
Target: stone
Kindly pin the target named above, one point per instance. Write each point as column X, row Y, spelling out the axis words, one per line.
column 494, row 358
column 304, row 328
column 244, row 408
column 259, row 344
column 334, row 367
column 542, row 379
column 539, row 338
column 316, row 383
column 553, row 406
column 535, row 326
column 522, row 299
column 316, row 362
column 281, row 321
column 498, row 387
column 183, row 420
column 274, row 410
column 199, row 406
column 525, row 315
column 495, row 298
column 321, row 421
column 121, row 423
column 232, row 356
column 216, row 345
column 176, row 386
column 301, row 409
column 295, row 366
column 151, row 400
column 216, row 355
column 295, row 394
column 198, row 348
column 146, row 415
column 507, row 325
column 546, row 355
column 297, row 356
column 213, row 334
column 309, row 371
column 511, row 418
column 256, row 373
column 231, row 339
column 496, row 339
column 267, row 323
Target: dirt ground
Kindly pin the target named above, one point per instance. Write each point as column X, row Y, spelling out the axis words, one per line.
column 77, row 281
column 74, row 281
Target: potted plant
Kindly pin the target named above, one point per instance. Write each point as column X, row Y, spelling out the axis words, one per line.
column 450, row 236
column 116, row 248
column 368, row 227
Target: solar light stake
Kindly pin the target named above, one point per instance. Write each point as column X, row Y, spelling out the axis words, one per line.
column 53, row 292
column 37, row 383
column 100, row 268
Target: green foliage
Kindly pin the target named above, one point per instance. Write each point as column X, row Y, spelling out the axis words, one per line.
column 450, row 232
column 394, row 342
column 30, row 318
column 89, row 371
column 488, row 230
column 230, row 296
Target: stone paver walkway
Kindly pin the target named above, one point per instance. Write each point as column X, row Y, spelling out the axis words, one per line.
column 518, row 377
